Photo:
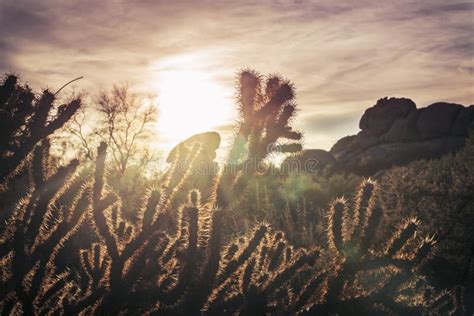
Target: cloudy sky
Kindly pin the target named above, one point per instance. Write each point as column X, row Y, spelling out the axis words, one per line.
column 341, row 55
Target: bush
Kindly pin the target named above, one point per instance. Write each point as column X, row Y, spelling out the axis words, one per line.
column 440, row 193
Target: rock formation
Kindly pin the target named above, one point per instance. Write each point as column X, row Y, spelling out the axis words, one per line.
column 208, row 141
column 395, row 132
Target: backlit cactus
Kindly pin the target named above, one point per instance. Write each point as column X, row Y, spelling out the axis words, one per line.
column 36, row 228
column 176, row 258
column 266, row 110
column 25, row 119
column 365, row 277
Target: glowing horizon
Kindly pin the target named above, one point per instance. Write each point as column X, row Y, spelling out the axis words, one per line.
column 341, row 57
column 190, row 101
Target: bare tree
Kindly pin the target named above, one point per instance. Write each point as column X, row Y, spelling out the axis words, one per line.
column 126, row 119
column 123, row 119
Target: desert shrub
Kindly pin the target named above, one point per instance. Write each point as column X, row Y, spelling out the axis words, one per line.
column 293, row 203
column 440, row 193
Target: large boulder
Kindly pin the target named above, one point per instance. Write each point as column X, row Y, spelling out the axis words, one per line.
column 403, row 129
column 384, row 156
column 395, row 132
column 208, row 144
column 379, row 118
column 194, row 160
column 437, row 119
column 343, row 143
column 463, row 121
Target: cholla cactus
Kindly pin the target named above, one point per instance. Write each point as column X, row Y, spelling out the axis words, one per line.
column 141, row 267
column 25, row 120
column 141, row 263
column 255, row 277
column 265, row 116
column 453, row 302
column 364, row 279
column 178, row 266
column 35, row 230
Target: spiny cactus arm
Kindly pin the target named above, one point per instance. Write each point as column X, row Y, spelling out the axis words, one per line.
column 37, row 130
column 65, row 112
column 278, row 92
column 188, row 263
column 371, row 229
column 277, row 255
column 91, row 299
column 99, row 204
column 337, row 212
column 20, row 107
column 249, row 95
column 364, row 204
column 199, row 292
column 224, row 302
column 150, row 209
column 52, row 290
column 143, row 263
column 13, row 227
column 152, row 268
column 284, row 118
column 424, row 249
column 449, row 302
column 246, row 278
column 219, row 292
column 99, row 172
column 95, row 266
column 244, row 254
column 143, row 235
column 400, row 308
column 262, row 261
column 39, row 164
column 387, row 292
column 7, row 88
column 143, row 257
column 278, row 279
column 400, row 239
column 52, row 186
column 214, row 248
column 304, row 299
column 48, row 247
column 40, row 116
column 249, row 91
column 403, row 262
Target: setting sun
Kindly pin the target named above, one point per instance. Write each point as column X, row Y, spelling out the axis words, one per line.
column 190, row 102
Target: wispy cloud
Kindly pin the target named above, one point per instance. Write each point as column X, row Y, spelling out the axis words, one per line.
column 341, row 55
